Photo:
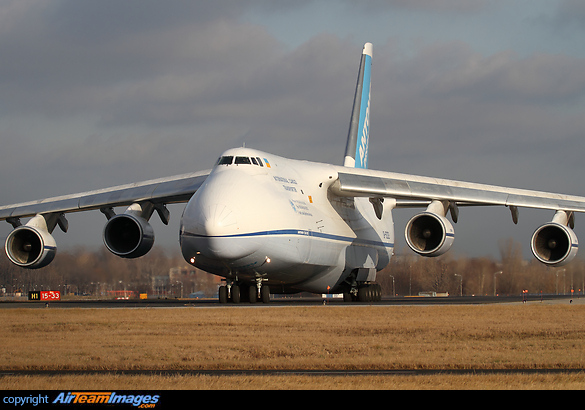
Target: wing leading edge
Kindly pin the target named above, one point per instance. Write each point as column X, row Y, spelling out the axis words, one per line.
column 174, row 189
column 369, row 183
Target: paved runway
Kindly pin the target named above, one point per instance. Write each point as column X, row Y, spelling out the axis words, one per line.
column 295, row 301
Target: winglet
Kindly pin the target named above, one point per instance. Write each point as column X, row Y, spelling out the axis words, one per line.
column 356, row 150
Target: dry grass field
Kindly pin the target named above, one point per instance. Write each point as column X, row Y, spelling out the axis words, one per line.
column 515, row 336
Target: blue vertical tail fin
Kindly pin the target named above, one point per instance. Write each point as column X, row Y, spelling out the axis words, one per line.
column 356, row 150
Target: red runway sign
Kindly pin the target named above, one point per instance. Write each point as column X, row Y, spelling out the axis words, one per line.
column 45, row 295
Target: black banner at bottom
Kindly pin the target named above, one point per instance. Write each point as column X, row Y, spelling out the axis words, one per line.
column 91, row 399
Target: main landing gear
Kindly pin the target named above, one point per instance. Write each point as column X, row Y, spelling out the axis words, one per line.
column 364, row 292
column 243, row 292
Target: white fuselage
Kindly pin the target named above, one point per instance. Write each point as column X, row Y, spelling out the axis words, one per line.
column 264, row 216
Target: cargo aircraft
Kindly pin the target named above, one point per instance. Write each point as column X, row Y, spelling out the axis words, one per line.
column 267, row 224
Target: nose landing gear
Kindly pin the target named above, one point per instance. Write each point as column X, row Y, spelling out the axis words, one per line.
column 238, row 292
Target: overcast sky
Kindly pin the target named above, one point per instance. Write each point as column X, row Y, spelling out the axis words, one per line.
column 100, row 93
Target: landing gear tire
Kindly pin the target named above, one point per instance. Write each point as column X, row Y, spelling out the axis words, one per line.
column 252, row 293
column 371, row 292
column 223, row 294
column 364, row 294
column 265, row 294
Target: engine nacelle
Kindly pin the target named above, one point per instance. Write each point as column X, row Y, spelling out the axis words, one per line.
column 429, row 234
column 554, row 244
column 128, row 236
column 30, row 247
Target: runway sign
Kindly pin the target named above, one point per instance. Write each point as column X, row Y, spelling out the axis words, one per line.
column 45, row 295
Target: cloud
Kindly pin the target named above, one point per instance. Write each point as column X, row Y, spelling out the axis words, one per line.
column 570, row 13
column 506, row 78
column 58, row 71
column 447, row 6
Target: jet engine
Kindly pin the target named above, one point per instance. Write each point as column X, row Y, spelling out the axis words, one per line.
column 128, row 235
column 429, row 234
column 31, row 246
column 554, row 244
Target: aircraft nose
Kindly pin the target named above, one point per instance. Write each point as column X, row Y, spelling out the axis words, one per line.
column 218, row 234
column 217, row 220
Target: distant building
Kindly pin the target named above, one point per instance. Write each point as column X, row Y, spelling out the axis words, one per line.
column 184, row 280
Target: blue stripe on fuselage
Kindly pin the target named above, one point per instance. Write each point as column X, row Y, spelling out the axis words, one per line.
column 357, row 241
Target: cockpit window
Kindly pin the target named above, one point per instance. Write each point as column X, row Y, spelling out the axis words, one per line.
column 243, row 160
column 227, row 160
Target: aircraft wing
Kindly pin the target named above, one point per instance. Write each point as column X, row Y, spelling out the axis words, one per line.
column 173, row 189
column 370, row 183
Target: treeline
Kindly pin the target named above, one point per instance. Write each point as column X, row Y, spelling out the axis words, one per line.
column 86, row 272
column 82, row 271
column 409, row 274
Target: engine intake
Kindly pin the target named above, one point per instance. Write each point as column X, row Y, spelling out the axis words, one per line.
column 429, row 234
column 128, row 236
column 554, row 244
column 30, row 247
